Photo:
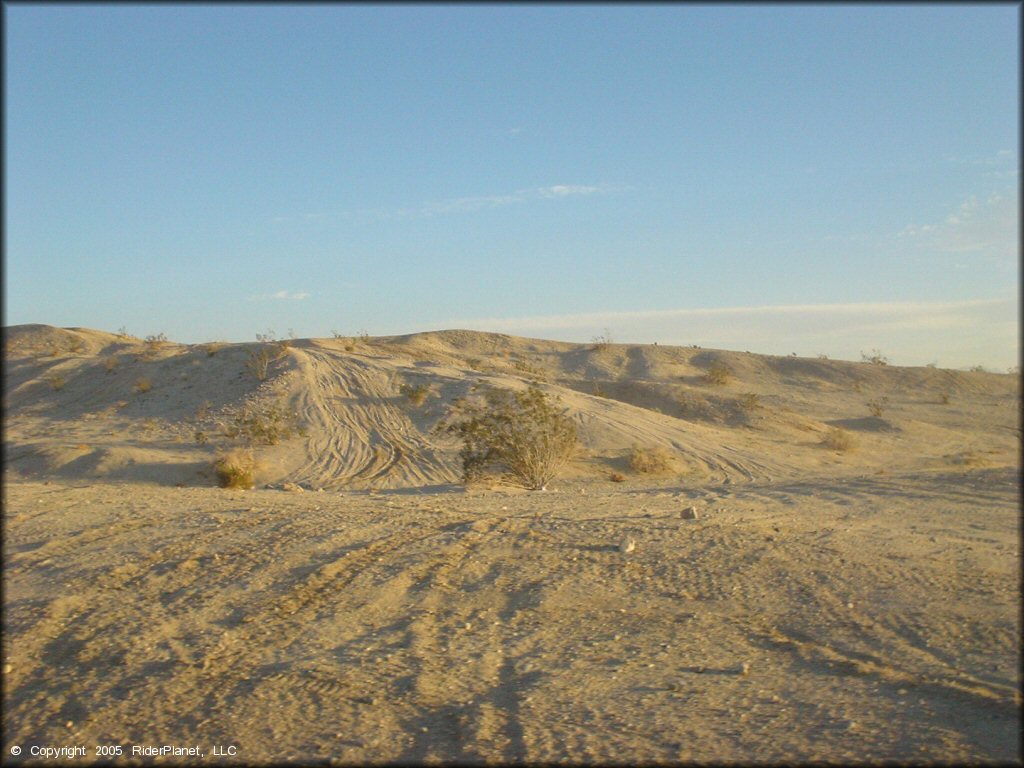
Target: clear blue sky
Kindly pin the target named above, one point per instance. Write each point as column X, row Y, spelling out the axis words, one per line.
column 810, row 179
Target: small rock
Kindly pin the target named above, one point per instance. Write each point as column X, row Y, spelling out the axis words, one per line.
column 745, row 669
column 627, row 545
column 689, row 513
column 7, row 669
column 293, row 488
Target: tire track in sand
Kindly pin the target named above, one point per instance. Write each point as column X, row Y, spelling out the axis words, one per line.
column 357, row 436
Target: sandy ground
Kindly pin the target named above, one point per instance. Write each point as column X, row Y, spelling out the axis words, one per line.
column 838, row 606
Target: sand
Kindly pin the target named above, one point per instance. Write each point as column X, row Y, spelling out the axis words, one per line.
column 361, row 606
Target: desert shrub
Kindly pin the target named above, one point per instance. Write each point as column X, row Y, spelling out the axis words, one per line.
column 718, row 373
column 212, row 348
column 749, row 401
column 57, row 381
column 944, row 398
column 617, row 477
column 261, row 358
column 263, row 424
column 235, row 469
column 416, row 393
column 650, row 459
column 523, row 433
column 143, row 384
column 877, row 407
column 77, row 346
column 875, row 358
column 602, row 341
column 529, row 370
column 838, row 439
column 109, row 364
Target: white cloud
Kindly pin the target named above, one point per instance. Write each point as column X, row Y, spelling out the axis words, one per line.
column 468, row 204
column 954, row 333
column 564, row 190
column 989, row 226
column 281, row 296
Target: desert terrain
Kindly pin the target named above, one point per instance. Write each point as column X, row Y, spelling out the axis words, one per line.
column 825, row 561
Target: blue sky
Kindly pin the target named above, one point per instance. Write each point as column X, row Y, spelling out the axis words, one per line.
column 809, row 179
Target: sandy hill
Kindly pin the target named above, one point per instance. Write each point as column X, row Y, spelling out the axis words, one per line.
column 87, row 404
column 763, row 598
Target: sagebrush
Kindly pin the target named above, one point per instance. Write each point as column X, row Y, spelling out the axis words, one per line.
column 524, row 433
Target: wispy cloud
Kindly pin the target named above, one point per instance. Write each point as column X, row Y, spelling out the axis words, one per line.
column 468, row 204
column 955, row 333
column 281, row 296
column 989, row 225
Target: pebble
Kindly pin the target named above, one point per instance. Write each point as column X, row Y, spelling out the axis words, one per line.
column 689, row 513
column 7, row 669
column 627, row 545
column 745, row 669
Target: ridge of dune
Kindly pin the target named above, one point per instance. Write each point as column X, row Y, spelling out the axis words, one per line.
column 74, row 397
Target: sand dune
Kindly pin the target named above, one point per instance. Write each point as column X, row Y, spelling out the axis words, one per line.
column 387, row 614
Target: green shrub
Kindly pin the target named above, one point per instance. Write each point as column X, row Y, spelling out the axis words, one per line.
column 523, row 433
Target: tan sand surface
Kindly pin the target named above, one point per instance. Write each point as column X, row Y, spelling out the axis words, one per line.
column 361, row 606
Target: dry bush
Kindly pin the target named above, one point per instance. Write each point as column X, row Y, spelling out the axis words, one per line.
column 265, row 355
column 944, row 398
column 416, row 393
column 154, row 344
column 57, row 381
column 718, row 373
column 263, row 424
column 213, row 347
column 877, row 407
column 650, row 459
column 523, row 433
column 143, row 384
column 602, row 341
column 875, row 358
column 529, row 370
column 838, row 439
column 617, row 477
column 749, row 401
column 109, row 364
column 235, row 469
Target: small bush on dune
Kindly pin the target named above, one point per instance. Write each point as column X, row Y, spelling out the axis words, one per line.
column 235, row 469
column 838, row 439
column 877, row 407
column 263, row 424
column 416, row 393
column 650, row 459
column 718, row 373
column 143, row 385
column 522, row 432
